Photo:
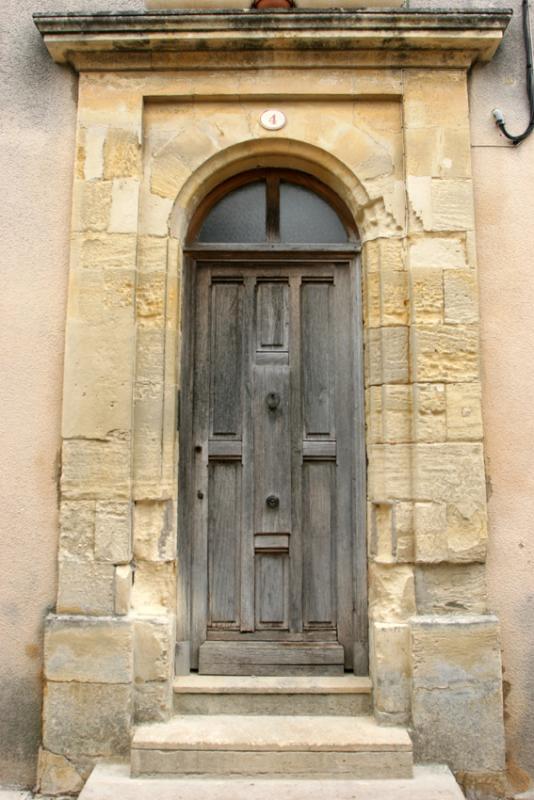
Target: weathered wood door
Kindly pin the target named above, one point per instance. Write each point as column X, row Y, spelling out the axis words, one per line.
column 273, row 437
column 272, row 460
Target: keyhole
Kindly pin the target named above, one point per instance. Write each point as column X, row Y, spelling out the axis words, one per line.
column 273, row 501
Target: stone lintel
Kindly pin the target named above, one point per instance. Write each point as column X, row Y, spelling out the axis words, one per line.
column 132, row 40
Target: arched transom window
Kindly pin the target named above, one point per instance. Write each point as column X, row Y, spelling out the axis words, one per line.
column 273, row 206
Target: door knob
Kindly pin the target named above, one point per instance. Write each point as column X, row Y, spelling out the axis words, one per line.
column 273, row 401
column 273, row 501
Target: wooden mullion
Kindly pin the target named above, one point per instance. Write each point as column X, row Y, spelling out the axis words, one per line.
column 273, row 208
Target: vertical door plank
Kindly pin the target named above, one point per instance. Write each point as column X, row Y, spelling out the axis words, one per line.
column 199, row 500
column 317, row 353
column 272, row 455
column 224, row 542
column 345, row 416
column 185, row 465
column 272, row 590
column 272, row 316
column 360, row 621
column 295, row 365
column 319, row 529
column 247, row 508
column 226, row 358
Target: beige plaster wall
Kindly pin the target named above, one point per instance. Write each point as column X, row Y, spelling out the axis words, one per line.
column 37, row 143
column 37, row 117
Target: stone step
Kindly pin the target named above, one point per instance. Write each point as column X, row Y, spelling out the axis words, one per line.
column 274, row 745
column 113, row 782
column 221, row 694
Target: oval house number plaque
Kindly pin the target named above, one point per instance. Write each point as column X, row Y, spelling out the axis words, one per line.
column 272, row 119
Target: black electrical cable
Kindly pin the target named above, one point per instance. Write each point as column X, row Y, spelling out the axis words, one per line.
column 499, row 116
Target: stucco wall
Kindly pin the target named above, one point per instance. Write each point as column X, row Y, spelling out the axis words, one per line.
column 37, row 116
column 38, row 101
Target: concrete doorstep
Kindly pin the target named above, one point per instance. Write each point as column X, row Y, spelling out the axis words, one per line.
column 113, row 781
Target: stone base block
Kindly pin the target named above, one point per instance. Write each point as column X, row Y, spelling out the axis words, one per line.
column 87, row 719
column 457, row 703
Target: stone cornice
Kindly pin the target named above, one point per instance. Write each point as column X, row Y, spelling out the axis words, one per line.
column 160, row 40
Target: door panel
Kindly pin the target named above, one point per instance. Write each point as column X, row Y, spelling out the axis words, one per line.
column 224, row 543
column 318, row 342
column 319, row 528
column 273, row 436
column 226, row 360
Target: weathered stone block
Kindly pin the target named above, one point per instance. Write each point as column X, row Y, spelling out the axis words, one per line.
column 154, row 530
column 154, row 586
column 123, row 589
column 387, row 355
column 429, row 419
column 168, row 171
column 393, row 298
column 452, row 205
column 104, row 251
column 97, row 386
column 391, row 592
column 390, row 472
column 122, row 154
column 457, row 701
column 460, row 294
column 384, row 254
column 445, row 353
column 435, row 98
column 152, row 254
column 438, row 152
column 426, row 295
column 391, row 669
column 93, row 467
column 85, row 588
column 152, row 701
column 391, row 532
column 88, row 650
column 438, row 253
column 389, row 414
column 153, row 648
column 449, row 475
column 155, row 214
column 124, row 213
column 430, row 532
column 92, row 205
column 404, row 528
column 77, row 529
column 101, row 297
column 151, row 298
column 87, row 718
column 94, row 138
column 447, row 588
column 57, row 775
column 464, row 412
column 419, row 195
column 113, row 532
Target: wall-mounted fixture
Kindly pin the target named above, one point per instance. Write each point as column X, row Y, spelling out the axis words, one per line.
column 497, row 113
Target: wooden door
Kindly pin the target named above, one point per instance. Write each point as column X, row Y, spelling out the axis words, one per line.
column 274, row 586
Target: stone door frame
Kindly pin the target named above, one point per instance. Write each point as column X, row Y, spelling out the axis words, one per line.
column 386, row 127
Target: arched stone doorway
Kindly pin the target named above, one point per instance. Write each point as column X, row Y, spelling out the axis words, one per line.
column 272, row 457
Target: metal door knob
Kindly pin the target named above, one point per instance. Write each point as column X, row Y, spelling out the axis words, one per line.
column 273, row 401
column 273, row 501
